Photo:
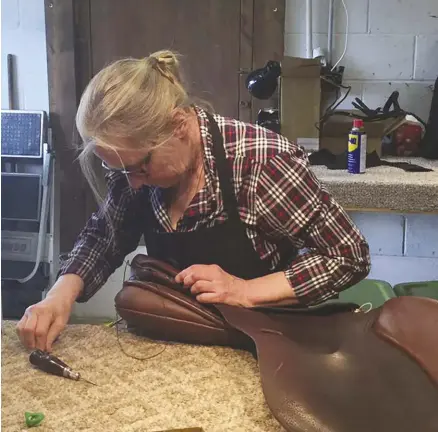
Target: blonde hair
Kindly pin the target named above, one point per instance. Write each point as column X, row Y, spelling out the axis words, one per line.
column 130, row 100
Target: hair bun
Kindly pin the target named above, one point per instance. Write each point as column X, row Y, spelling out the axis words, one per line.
column 167, row 62
column 167, row 57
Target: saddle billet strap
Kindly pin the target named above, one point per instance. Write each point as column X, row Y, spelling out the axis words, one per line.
column 319, row 310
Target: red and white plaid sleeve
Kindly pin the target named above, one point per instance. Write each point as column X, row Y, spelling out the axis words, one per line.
column 101, row 246
column 292, row 203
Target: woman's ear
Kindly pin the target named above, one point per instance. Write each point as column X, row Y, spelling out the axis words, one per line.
column 180, row 124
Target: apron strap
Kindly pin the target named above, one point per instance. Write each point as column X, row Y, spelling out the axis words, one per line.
column 224, row 171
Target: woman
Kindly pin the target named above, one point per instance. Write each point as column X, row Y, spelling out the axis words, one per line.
column 229, row 203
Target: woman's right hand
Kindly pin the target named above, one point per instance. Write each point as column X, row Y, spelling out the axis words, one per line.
column 42, row 322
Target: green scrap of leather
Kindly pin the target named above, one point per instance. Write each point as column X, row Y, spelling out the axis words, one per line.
column 33, row 419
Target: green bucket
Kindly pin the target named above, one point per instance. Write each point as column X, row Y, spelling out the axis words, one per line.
column 427, row 289
column 375, row 292
column 369, row 292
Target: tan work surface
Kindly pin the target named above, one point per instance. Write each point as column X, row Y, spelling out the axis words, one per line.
column 184, row 430
column 385, row 188
column 212, row 388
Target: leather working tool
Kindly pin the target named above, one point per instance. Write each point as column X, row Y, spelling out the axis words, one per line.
column 53, row 365
column 323, row 369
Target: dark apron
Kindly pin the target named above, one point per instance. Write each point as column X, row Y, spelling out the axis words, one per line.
column 225, row 245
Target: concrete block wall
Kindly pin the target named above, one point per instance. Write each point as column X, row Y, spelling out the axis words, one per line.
column 392, row 45
column 404, row 247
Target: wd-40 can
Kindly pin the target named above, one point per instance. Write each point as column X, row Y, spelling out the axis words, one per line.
column 357, row 148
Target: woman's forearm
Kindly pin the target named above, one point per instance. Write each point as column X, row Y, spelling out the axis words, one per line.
column 273, row 289
column 68, row 286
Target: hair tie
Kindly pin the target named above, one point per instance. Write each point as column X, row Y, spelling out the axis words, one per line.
column 157, row 64
column 154, row 61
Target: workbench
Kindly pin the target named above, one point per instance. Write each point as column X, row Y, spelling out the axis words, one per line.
column 384, row 188
column 184, row 386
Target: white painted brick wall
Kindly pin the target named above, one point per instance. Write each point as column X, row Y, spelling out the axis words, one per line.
column 392, row 45
column 384, row 232
column 403, row 16
column 397, row 270
column 422, row 236
column 367, row 56
column 404, row 248
column 426, row 59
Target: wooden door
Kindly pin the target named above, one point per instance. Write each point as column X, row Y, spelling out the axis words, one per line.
column 205, row 32
column 215, row 37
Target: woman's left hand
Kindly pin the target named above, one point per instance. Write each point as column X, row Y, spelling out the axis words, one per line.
column 211, row 284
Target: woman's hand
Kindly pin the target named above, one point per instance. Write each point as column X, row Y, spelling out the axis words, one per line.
column 42, row 322
column 211, row 284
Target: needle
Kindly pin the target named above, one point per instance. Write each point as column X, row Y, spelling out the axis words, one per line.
column 88, row 381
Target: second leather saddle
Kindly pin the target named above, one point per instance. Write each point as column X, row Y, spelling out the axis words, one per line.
column 326, row 369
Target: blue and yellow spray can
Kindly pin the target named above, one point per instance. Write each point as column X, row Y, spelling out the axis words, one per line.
column 357, row 148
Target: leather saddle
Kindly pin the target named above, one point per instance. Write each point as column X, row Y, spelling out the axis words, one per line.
column 331, row 368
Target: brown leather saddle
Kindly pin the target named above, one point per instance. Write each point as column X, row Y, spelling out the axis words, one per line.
column 326, row 369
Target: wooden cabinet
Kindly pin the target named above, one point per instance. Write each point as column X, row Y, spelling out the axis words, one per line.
column 220, row 41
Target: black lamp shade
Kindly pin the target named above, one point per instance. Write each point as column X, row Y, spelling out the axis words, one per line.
column 262, row 83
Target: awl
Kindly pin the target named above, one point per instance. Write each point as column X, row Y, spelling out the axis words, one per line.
column 53, row 365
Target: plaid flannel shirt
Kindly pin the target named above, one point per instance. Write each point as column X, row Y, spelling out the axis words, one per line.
column 278, row 196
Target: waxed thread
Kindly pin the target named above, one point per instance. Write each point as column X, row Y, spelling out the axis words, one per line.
column 119, row 319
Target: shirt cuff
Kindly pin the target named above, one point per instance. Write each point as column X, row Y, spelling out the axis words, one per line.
column 93, row 280
column 310, row 289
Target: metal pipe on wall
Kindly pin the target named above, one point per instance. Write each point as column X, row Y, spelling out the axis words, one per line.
column 309, row 30
column 330, row 32
column 11, row 83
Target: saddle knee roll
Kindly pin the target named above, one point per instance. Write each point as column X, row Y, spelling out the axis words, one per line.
column 164, row 313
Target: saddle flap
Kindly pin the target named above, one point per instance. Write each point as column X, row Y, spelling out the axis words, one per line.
column 411, row 324
column 152, row 302
column 160, row 300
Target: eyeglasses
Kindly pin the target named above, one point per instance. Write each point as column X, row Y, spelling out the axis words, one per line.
column 138, row 168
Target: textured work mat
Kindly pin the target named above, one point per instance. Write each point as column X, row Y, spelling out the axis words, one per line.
column 213, row 388
column 384, row 187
